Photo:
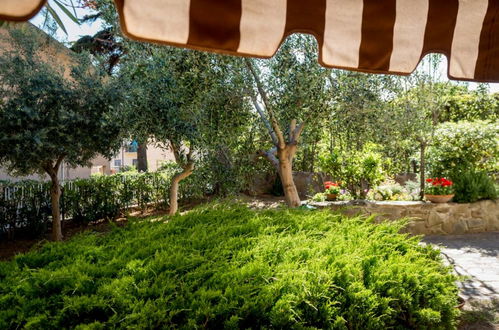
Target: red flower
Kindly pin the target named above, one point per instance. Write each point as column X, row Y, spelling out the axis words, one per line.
column 329, row 184
column 429, row 180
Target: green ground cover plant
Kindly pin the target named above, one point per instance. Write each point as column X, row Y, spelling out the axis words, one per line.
column 225, row 266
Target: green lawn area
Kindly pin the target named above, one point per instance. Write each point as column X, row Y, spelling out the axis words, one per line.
column 225, row 266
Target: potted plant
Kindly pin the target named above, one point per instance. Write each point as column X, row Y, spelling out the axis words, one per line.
column 332, row 190
column 439, row 190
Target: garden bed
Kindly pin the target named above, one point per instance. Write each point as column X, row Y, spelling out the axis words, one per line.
column 227, row 266
column 427, row 218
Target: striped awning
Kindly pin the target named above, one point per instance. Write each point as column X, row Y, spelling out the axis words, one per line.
column 378, row 36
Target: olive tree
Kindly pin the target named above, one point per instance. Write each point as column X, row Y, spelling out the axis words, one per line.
column 51, row 114
column 288, row 92
column 178, row 98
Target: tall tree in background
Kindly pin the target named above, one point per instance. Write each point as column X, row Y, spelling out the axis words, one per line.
column 421, row 100
column 290, row 89
column 176, row 97
column 47, row 116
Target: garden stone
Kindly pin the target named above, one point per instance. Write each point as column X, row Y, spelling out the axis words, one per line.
column 442, row 208
column 416, row 227
column 435, row 219
column 449, row 218
column 475, row 225
column 460, row 227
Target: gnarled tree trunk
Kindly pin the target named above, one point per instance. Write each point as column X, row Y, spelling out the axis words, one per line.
column 187, row 169
column 286, row 174
column 284, row 149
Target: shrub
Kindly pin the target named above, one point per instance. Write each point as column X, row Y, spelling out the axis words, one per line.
column 87, row 200
column 24, row 208
column 471, row 186
column 318, row 197
column 464, row 145
column 391, row 190
column 224, row 266
column 358, row 170
column 25, row 205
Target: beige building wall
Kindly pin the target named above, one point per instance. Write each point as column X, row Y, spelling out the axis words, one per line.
column 156, row 156
column 98, row 165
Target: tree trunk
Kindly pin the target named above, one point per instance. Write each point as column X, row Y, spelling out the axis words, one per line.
column 288, row 184
column 55, row 197
column 422, row 169
column 142, row 157
column 175, row 184
column 284, row 148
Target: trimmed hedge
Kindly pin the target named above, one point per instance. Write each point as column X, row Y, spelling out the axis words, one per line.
column 25, row 206
column 224, row 266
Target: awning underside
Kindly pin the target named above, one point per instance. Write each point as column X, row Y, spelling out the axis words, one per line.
column 379, row 36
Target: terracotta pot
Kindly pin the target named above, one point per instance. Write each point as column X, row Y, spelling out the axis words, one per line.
column 438, row 198
column 331, row 197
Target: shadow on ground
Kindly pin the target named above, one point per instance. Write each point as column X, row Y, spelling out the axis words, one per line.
column 480, row 315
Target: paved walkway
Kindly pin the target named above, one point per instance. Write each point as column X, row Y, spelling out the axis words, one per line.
column 475, row 256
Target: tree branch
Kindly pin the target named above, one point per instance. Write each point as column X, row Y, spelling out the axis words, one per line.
column 270, row 155
column 281, row 143
column 58, row 163
column 265, row 120
column 296, row 133
column 176, row 153
column 189, row 156
column 292, row 127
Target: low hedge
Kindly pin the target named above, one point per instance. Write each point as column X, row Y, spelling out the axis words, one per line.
column 25, row 206
column 224, row 266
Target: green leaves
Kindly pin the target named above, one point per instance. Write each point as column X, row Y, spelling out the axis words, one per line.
column 464, row 145
column 223, row 265
column 50, row 113
column 357, row 170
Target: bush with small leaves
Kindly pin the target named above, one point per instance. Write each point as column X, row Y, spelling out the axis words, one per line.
column 225, row 266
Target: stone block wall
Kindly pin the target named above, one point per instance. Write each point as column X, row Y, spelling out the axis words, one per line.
column 428, row 218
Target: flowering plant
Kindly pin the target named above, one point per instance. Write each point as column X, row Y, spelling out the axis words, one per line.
column 439, row 186
column 332, row 188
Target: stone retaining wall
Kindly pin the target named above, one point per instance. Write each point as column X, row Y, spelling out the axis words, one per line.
column 428, row 218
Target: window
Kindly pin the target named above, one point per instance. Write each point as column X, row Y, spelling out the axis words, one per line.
column 117, row 163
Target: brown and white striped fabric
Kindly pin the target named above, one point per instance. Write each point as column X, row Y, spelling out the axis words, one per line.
column 379, row 36
column 19, row 10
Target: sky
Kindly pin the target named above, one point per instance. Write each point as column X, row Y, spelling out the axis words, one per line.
column 75, row 31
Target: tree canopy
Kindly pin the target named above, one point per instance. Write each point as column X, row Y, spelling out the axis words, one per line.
column 50, row 114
